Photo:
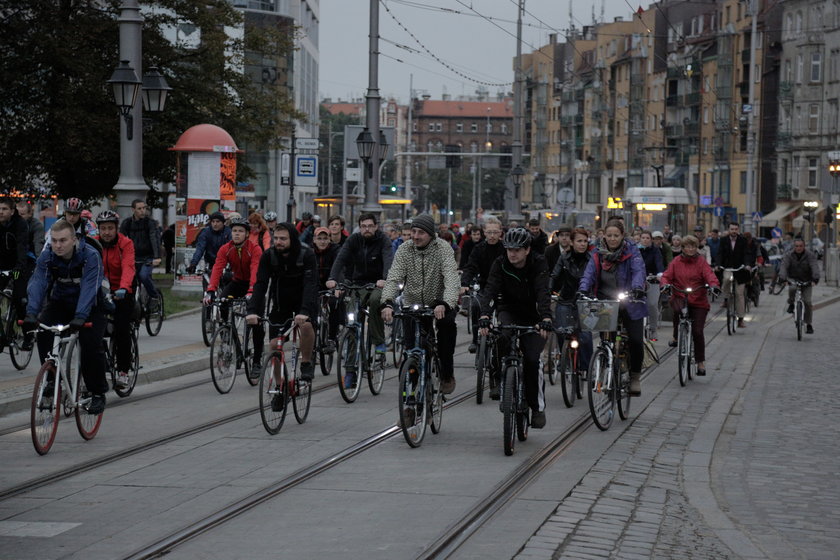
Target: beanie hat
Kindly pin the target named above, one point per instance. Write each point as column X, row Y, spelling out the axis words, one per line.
column 424, row 222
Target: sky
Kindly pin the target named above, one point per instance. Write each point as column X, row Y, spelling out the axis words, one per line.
column 447, row 50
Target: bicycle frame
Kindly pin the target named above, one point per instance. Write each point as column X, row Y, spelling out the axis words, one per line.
column 418, row 352
column 357, row 319
column 56, row 356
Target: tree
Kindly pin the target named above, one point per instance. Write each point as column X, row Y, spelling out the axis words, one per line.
column 61, row 129
column 334, row 123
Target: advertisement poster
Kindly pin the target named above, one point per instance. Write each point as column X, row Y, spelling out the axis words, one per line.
column 203, row 175
column 227, row 176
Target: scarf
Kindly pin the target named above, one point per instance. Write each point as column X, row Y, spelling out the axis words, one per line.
column 609, row 259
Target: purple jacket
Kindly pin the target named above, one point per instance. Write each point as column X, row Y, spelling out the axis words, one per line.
column 630, row 276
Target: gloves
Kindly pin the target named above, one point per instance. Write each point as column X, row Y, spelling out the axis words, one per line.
column 30, row 323
column 583, row 295
column 191, row 269
column 716, row 291
column 208, row 297
column 637, row 293
column 76, row 325
column 484, row 323
column 665, row 288
column 15, row 273
column 546, row 325
column 120, row 294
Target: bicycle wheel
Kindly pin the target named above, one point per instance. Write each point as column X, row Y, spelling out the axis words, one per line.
column 599, row 389
column 480, row 369
column 730, row 314
column 133, row 371
column 222, row 359
column 270, row 389
column 621, row 386
column 412, row 407
column 433, row 395
column 20, row 357
column 565, row 369
column 684, row 356
column 522, row 423
column 554, row 356
column 46, row 410
column 301, row 392
column 207, row 325
column 800, row 313
column 396, row 342
column 154, row 314
column 376, row 368
column 88, row 424
column 325, row 359
column 348, row 365
column 467, row 306
column 246, row 356
column 509, row 409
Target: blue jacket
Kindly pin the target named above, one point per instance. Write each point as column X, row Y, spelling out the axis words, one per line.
column 630, row 275
column 653, row 259
column 208, row 244
column 67, row 281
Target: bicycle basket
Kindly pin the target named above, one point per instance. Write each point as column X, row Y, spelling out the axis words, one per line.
column 598, row 316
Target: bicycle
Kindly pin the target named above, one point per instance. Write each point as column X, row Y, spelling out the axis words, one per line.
column 567, row 367
column 798, row 306
column 608, row 378
column 513, row 405
column 486, row 358
column 277, row 384
column 420, row 399
column 60, row 372
column 322, row 333
column 11, row 333
column 109, row 343
column 731, row 316
column 685, row 342
column 228, row 351
column 147, row 308
column 776, row 285
column 396, row 339
column 355, row 348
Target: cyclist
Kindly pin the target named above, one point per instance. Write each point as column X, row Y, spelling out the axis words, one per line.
column 259, row 231
column 617, row 267
column 306, row 235
column 305, row 222
column 145, row 234
column 63, row 290
column 325, row 255
column 270, row 218
column 426, row 268
column 338, row 234
column 243, row 255
column 36, row 230
column 467, row 245
column 732, row 253
column 73, row 208
column 519, row 279
column 540, row 238
column 562, row 244
column 690, row 270
column 801, row 265
column 209, row 241
column 481, row 259
column 565, row 280
column 118, row 268
column 14, row 248
column 652, row 256
column 365, row 259
column 289, row 271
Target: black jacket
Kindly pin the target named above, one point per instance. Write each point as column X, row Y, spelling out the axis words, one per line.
column 14, row 243
column 654, row 262
column 728, row 257
column 145, row 235
column 520, row 291
column 481, row 259
column 363, row 261
column 565, row 277
column 325, row 260
column 539, row 243
column 290, row 279
column 552, row 254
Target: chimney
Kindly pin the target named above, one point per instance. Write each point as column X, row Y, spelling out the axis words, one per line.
column 618, row 18
column 445, row 97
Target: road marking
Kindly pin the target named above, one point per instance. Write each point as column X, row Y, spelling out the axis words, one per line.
column 34, row 528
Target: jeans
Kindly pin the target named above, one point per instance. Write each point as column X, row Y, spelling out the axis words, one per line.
column 144, row 274
column 123, row 315
column 447, row 331
column 653, row 307
column 532, row 346
column 806, row 299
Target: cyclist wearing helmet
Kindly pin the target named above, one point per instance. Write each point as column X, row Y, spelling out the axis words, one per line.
column 305, row 222
column 243, row 255
column 209, row 241
column 518, row 279
column 119, row 270
column 85, row 231
column 270, row 220
column 309, row 232
column 145, row 234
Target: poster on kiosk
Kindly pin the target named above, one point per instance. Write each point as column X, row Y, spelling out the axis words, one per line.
column 205, row 183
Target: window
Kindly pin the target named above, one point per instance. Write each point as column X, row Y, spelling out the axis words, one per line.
column 593, row 190
column 474, row 127
column 504, row 128
column 759, row 39
column 743, row 188
column 459, row 127
column 798, row 29
column 789, row 25
column 414, row 126
column 489, row 127
column 431, row 127
column 800, row 66
column 833, row 57
column 812, row 173
column 757, row 73
column 788, row 75
column 705, row 115
column 816, row 67
column 438, row 127
column 724, row 186
column 814, row 118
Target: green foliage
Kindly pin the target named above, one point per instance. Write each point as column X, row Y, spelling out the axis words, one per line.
column 336, row 123
column 492, row 195
column 60, row 125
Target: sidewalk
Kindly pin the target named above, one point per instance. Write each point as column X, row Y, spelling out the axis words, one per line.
column 734, row 465
column 176, row 350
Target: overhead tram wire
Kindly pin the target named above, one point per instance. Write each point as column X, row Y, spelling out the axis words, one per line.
column 418, row 52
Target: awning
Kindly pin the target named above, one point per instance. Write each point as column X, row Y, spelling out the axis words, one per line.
column 655, row 195
column 782, row 210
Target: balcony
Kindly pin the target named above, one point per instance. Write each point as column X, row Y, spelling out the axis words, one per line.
column 692, row 128
column 682, row 158
column 785, row 90
column 579, row 94
column 567, row 96
column 676, row 72
column 692, row 98
column 784, row 192
column 579, row 142
column 673, row 131
column 567, row 120
column 723, row 92
column 578, row 119
column 672, row 100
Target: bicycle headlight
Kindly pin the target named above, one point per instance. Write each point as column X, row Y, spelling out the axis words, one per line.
column 575, row 344
column 416, row 307
column 688, row 290
column 351, row 317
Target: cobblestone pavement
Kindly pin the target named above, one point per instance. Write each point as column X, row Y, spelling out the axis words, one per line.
column 741, row 464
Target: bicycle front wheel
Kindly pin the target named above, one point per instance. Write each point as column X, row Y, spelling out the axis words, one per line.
column 480, row 369
column 396, row 342
column 800, row 313
column 376, row 368
column 222, row 359
column 207, row 324
column 730, row 314
column 600, row 390
column 301, row 398
column 509, row 409
column 347, row 366
column 412, row 406
column 325, row 359
column 274, row 394
column 154, row 314
column 20, row 357
column 88, row 424
column 433, row 395
column 133, row 371
column 622, row 386
column 684, row 357
column 46, row 409
column 565, row 369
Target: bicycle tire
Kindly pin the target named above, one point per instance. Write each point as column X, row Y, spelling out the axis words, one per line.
column 468, row 307
column 87, row 424
column 480, row 369
column 207, row 326
column 800, row 313
column 301, row 392
column 272, row 420
column 154, row 318
column 397, row 342
column 412, row 410
column 223, row 359
column 621, row 386
column 730, row 314
column 522, row 424
column 133, row 372
column 20, row 357
column 376, row 367
column 682, row 354
column 434, row 396
column 45, row 410
column 566, row 372
column 509, row 410
column 348, row 349
column 247, row 356
column 325, row 359
column 554, row 358
column 601, row 399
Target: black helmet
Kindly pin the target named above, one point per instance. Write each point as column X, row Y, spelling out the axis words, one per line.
column 517, row 238
column 74, row 205
column 240, row 222
column 108, row 216
column 306, row 216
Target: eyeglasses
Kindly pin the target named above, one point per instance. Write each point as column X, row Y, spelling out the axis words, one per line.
column 367, row 226
column 492, row 232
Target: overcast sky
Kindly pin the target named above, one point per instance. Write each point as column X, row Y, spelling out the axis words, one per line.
column 480, row 48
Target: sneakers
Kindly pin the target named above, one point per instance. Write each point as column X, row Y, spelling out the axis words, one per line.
column 349, row 380
column 790, row 308
column 278, row 402
column 472, row 349
column 701, row 372
column 256, row 370
column 409, row 415
column 447, row 386
column 122, row 380
column 329, row 347
column 809, row 329
column 381, row 348
column 307, row 371
column 28, row 343
column 635, row 384
column 97, row 405
column 672, row 343
column 741, row 324
column 538, row 419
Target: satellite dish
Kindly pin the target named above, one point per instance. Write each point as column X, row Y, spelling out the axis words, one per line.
column 565, row 196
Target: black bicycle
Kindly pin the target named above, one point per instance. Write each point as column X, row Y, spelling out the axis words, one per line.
column 11, row 333
column 356, row 357
column 486, row 364
column 514, row 406
column 322, row 332
column 230, row 349
column 147, row 308
column 122, row 387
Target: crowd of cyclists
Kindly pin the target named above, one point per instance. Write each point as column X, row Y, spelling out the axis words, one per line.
column 83, row 272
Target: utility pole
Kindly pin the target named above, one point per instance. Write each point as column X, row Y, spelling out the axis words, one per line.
column 512, row 198
column 751, row 191
column 372, row 100
column 408, row 147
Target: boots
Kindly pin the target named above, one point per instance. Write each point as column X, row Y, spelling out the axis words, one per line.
column 635, row 383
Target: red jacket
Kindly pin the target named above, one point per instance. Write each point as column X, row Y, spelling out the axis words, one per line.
column 243, row 262
column 118, row 263
column 693, row 272
column 255, row 236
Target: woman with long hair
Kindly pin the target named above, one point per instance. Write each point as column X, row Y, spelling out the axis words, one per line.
column 259, row 231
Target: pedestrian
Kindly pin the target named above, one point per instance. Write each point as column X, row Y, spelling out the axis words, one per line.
column 801, row 265
column 168, row 240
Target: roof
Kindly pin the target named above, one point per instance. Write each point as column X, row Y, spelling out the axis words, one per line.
column 346, row 108
column 205, row 138
column 466, row 109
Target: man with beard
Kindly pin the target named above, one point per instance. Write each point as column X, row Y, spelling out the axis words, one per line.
column 540, row 239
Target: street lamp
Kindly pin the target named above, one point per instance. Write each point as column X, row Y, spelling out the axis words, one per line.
column 383, row 146
column 516, row 177
column 155, row 90
column 365, row 145
column 126, row 84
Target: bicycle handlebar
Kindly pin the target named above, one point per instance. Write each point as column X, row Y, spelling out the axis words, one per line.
column 415, row 311
column 355, row 287
column 689, row 290
column 57, row 329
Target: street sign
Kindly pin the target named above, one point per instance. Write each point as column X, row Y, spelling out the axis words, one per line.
column 307, row 144
column 746, row 108
column 756, row 217
column 834, row 155
column 776, row 233
column 306, row 171
column 718, row 211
